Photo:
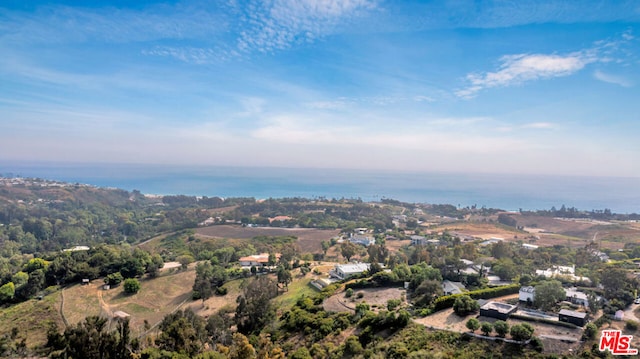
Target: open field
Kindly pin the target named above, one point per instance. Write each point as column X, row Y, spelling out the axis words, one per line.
column 157, row 297
column 375, row 297
column 309, row 239
column 32, row 318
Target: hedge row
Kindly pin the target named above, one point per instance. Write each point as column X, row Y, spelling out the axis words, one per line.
column 488, row 293
column 543, row 320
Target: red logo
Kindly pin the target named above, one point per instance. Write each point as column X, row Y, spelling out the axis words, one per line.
column 617, row 343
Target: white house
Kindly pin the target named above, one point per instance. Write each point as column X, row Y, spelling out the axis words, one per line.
column 527, row 294
column 363, row 240
column 344, row 271
column 577, row 297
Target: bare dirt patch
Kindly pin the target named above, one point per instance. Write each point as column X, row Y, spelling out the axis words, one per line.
column 309, row 239
column 375, row 297
column 556, row 339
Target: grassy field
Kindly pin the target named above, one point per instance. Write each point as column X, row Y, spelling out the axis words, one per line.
column 32, row 318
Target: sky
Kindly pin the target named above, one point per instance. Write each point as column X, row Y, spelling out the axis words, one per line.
column 532, row 86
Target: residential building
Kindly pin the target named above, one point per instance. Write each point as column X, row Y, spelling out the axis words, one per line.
column 257, row 260
column 344, row 271
column 527, row 294
column 577, row 297
column 573, row 317
column 449, row 287
column 497, row 310
column 363, row 240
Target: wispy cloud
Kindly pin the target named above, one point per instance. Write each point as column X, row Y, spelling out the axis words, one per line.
column 277, row 25
column 612, row 79
column 520, row 68
column 62, row 24
column 516, row 69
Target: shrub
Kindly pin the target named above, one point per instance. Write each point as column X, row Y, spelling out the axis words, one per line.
column 473, row 324
column 392, row 304
column 348, row 293
column 631, row 325
column 360, row 295
column 131, row 285
column 221, row 291
column 501, row 328
column 486, row 328
column 590, row 331
column 464, row 305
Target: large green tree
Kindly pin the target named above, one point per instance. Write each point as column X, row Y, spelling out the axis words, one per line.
column 548, row 294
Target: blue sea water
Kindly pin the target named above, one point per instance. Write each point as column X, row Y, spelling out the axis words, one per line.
column 509, row 192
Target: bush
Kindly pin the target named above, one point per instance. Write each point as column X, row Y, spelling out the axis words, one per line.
column 113, row 279
column 348, row 293
column 360, row 295
column 631, row 325
column 464, row 305
column 447, row 301
column 590, row 331
column 221, row 291
column 473, row 324
column 501, row 328
column 486, row 328
column 392, row 304
column 131, row 286
column 536, row 344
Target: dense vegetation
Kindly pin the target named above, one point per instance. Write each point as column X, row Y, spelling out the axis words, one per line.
column 41, row 218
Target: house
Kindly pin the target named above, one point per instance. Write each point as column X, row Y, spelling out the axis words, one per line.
column 577, row 297
column 573, row 317
column 449, row 287
column 257, row 260
column 567, row 272
column 85, row 281
column 344, row 271
column 527, row 294
column 363, row 240
column 497, row 310
column 529, row 246
column 418, row 240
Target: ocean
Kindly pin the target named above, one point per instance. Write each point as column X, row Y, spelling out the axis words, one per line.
column 508, row 192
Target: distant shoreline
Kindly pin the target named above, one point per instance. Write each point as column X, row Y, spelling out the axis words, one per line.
column 508, row 192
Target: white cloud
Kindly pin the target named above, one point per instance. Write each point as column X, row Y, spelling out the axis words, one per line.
column 612, row 79
column 516, row 69
column 278, row 24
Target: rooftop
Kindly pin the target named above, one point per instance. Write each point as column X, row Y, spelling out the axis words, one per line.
column 499, row 307
column 571, row 313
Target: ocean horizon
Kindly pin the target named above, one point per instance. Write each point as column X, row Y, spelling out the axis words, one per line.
column 505, row 191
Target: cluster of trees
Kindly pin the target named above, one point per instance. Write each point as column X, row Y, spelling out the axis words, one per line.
column 23, row 277
column 519, row 332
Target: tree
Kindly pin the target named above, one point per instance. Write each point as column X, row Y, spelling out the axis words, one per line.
column 426, row 292
column 548, row 293
column 501, row 327
column 131, row 286
column 348, row 250
column 523, row 331
column 284, row 276
column 486, row 328
column 113, row 279
column 465, row 305
column 7, row 292
column 154, row 266
column 254, row 310
column 473, row 324
column 241, row 348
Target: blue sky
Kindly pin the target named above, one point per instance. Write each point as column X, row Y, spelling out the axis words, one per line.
column 545, row 87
